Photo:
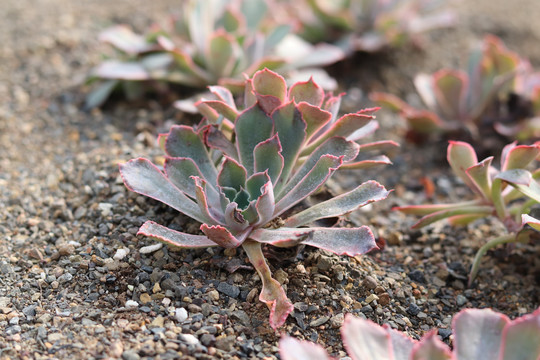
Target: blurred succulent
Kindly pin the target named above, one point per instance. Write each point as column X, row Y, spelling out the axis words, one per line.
column 509, row 194
column 479, row 334
column 457, row 100
column 213, row 41
column 369, row 25
column 239, row 175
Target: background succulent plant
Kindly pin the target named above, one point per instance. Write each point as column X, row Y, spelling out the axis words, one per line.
column 239, row 172
column 369, row 25
column 509, row 193
column 479, row 334
column 458, row 100
column 211, row 42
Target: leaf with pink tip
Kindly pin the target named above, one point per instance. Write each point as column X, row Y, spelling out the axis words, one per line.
column 315, row 118
column 267, row 155
column 221, row 108
column 346, row 126
column 174, row 238
column 480, row 177
column 424, row 86
column 142, row 177
column 252, row 127
column 336, row 146
column 223, row 94
column 364, row 194
column 307, row 91
column 521, row 338
column 449, row 90
column 313, row 180
column 234, row 220
column 340, row 241
column 272, row 293
column 443, row 214
column 113, row 69
column 430, row 347
column 424, row 121
column 388, row 101
column 431, row 208
column 402, row 344
column 215, row 139
column 478, row 334
column 365, row 340
column 291, row 129
column 209, row 211
column 270, row 89
column 222, row 54
column 379, row 145
column 461, row 156
column 367, row 164
column 265, row 204
column 179, row 171
column 183, row 141
column 292, row 349
column 124, row 39
column 522, row 180
column 518, row 157
column 531, row 221
column 220, row 235
column 232, row 174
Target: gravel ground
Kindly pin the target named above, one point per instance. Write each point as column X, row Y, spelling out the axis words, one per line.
column 75, row 281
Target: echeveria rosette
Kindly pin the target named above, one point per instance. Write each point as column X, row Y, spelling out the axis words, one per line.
column 458, row 100
column 479, row 334
column 239, row 175
column 211, row 42
column 368, row 25
column 508, row 193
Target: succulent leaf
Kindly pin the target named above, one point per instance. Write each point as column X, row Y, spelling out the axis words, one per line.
column 142, row 177
column 307, row 91
column 462, row 156
column 221, row 236
column 478, row 334
column 232, row 175
column 179, row 171
column 267, row 156
column 364, row 194
column 480, row 176
column 292, row 349
column 183, row 141
column 373, row 344
column 431, row 348
column 521, row 338
column 174, row 238
column 252, row 127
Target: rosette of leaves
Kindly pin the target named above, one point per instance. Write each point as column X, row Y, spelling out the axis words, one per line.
column 458, row 100
column 212, row 42
column 241, row 175
column 479, row 334
column 369, row 25
column 509, row 194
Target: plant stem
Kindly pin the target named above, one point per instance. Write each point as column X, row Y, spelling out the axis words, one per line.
column 505, row 239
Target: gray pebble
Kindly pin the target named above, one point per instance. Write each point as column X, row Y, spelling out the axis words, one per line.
column 130, row 355
column 228, row 289
column 319, row 321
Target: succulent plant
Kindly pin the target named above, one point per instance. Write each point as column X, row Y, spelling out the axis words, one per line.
column 479, row 334
column 213, row 41
column 458, row 100
column 509, row 194
column 369, row 25
column 241, row 172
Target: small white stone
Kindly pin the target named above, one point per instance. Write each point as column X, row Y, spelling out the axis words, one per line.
column 180, row 314
column 189, row 339
column 121, row 253
column 132, row 304
column 151, row 248
column 105, row 208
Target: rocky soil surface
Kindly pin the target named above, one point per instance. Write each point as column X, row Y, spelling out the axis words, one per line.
column 75, row 281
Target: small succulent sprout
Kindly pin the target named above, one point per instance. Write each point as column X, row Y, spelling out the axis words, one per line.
column 213, row 41
column 369, row 25
column 509, row 193
column 458, row 100
column 479, row 334
column 239, row 172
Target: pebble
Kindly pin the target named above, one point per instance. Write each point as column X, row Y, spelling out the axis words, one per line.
column 130, row 355
column 228, row 289
column 461, row 300
column 150, row 249
column 369, row 282
column 180, row 315
column 131, row 304
column 319, row 321
column 337, row 320
column 121, row 254
column 225, row 343
column 371, row 298
column 418, row 276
